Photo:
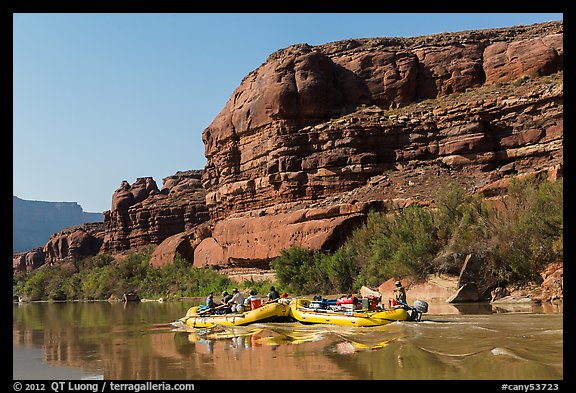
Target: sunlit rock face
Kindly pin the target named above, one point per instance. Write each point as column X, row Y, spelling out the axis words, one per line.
column 317, row 121
column 381, row 119
column 71, row 245
column 143, row 214
column 337, row 127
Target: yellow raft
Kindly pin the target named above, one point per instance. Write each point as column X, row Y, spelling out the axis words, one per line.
column 301, row 311
column 271, row 312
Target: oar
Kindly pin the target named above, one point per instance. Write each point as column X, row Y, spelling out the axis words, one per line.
column 211, row 309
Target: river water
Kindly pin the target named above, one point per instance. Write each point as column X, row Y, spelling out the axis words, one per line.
column 136, row 341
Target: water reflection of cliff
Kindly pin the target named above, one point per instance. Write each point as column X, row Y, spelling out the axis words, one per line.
column 243, row 358
column 124, row 343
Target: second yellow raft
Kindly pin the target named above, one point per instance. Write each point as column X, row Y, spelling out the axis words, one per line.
column 300, row 310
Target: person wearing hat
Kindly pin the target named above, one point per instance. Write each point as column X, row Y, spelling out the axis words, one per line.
column 237, row 301
column 226, row 297
column 224, row 306
column 399, row 292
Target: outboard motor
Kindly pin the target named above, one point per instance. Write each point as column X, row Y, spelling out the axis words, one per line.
column 420, row 307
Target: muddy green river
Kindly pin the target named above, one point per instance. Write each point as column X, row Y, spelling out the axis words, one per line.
column 136, row 341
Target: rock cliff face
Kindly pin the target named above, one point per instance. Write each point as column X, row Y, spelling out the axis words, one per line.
column 142, row 214
column 28, row 260
column 69, row 245
column 362, row 121
column 253, row 240
column 292, row 129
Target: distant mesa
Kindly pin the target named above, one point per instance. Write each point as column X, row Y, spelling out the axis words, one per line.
column 35, row 221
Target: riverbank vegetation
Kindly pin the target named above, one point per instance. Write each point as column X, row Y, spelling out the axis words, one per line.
column 103, row 277
column 515, row 236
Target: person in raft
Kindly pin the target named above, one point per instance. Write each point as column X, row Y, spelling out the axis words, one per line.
column 226, row 297
column 284, row 298
column 224, row 306
column 210, row 303
column 399, row 295
column 237, row 301
column 273, row 294
column 251, row 297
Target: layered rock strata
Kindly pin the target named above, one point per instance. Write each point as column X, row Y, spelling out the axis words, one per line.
column 74, row 243
column 292, row 129
column 142, row 214
column 69, row 245
column 382, row 120
column 478, row 140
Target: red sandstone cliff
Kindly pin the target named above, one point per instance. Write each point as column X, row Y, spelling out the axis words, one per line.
column 142, row 214
column 289, row 131
column 387, row 120
column 69, row 245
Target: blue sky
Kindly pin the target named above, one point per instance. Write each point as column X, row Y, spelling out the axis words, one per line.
column 101, row 97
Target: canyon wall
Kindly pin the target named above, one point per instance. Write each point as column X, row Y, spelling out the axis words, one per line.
column 290, row 131
column 384, row 120
column 142, row 214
